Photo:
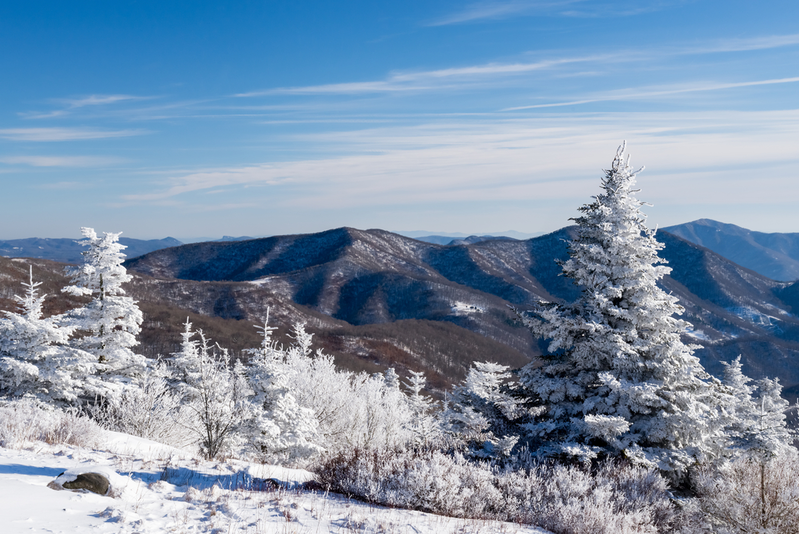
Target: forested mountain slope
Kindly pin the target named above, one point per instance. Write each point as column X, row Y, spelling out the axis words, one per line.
column 775, row 255
column 228, row 311
column 372, row 277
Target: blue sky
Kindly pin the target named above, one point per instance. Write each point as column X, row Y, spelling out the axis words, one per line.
column 191, row 118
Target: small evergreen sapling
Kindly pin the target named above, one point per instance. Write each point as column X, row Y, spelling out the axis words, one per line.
column 280, row 429
column 758, row 431
column 486, row 412
column 424, row 426
column 758, row 416
column 34, row 357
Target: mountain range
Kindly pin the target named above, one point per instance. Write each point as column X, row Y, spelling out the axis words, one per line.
column 373, row 277
column 374, row 298
column 774, row 255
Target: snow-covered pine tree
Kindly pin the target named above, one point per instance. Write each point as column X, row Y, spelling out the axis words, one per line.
column 280, row 429
column 111, row 321
column 302, row 339
column 486, row 412
column 759, row 434
column 424, row 427
column 617, row 377
column 757, row 422
column 740, row 419
column 34, row 357
column 771, row 436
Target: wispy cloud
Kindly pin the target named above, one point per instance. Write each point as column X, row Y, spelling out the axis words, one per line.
column 503, row 9
column 747, row 44
column 421, row 80
column 214, row 178
column 638, row 94
column 60, row 161
column 101, row 100
column 497, row 11
column 475, row 75
column 490, row 160
column 63, row 134
column 72, row 104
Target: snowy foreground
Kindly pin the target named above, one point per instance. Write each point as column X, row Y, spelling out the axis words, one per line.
column 156, row 488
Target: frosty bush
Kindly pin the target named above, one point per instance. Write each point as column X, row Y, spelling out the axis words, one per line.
column 616, row 499
column 352, row 409
column 751, row 495
column 25, row 421
column 154, row 410
column 424, row 480
column 303, row 401
column 215, row 394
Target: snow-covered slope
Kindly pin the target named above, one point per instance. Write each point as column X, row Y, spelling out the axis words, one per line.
column 156, row 489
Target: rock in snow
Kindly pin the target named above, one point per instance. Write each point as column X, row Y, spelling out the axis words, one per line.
column 94, row 482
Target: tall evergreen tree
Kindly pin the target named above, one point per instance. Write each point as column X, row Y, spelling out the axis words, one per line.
column 617, row 377
column 112, row 320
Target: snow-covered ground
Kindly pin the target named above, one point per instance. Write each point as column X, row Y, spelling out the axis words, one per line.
column 156, row 488
column 463, row 308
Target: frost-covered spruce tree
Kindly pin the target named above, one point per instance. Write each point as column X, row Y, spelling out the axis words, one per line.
column 758, row 422
column 112, row 320
column 280, row 429
column 486, row 413
column 424, row 426
column 617, row 377
column 35, row 360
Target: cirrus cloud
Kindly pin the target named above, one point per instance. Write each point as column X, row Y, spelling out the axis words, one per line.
column 64, row 134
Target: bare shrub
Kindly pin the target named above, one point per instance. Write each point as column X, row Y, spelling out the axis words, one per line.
column 751, row 494
column 25, row 421
column 615, row 499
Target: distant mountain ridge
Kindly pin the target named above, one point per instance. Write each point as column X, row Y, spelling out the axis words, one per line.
column 69, row 251
column 447, row 240
column 775, row 255
column 374, row 277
